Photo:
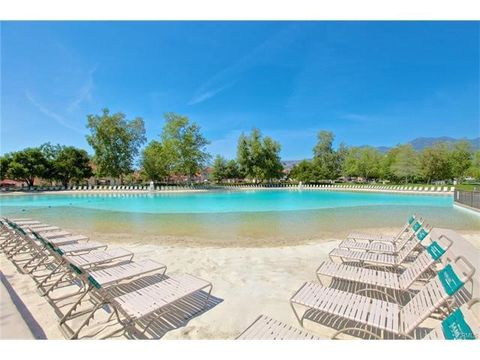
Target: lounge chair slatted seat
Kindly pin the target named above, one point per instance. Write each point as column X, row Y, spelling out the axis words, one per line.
column 61, row 241
column 98, row 257
column 381, row 314
column 386, row 279
column 80, row 263
column 266, row 328
column 54, row 234
column 373, row 246
column 387, row 238
column 105, row 279
column 26, row 222
column 15, row 220
column 372, row 237
column 144, row 301
column 41, row 228
column 80, row 247
column 379, row 246
column 376, row 258
column 112, row 275
column 147, row 302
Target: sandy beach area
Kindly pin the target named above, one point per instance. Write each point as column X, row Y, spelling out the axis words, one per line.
column 247, row 282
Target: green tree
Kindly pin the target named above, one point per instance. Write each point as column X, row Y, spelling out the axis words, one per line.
column 363, row 162
column 50, row 152
column 5, row 161
column 244, row 156
column 341, row 154
column 405, row 163
column 303, row 171
column 258, row 157
column 388, row 159
column 273, row 168
column 185, row 143
column 435, row 162
column 70, row 164
column 351, row 162
column 369, row 163
column 116, row 142
column 156, row 161
column 460, row 159
column 250, row 155
column 26, row 165
column 232, row 170
column 474, row 169
column 219, row 169
column 324, row 157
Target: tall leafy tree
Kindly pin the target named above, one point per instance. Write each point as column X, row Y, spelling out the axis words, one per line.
column 186, row 144
column 26, row 165
column 232, row 170
column 369, row 163
column 116, row 142
column 435, row 162
column 258, row 157
column 255, row 166
column 351, row 162
column 156, row 161
column 303, row 171
column 244, row 155
column 386, row 171
column 460, row 159
column 71, row 164
column 50, row 151
column 5, row 161
column 474, row 169
column 273, row 167
column 363, row 162
column 341, row 154
column 324, row 156
column 219, row 169
column 405, row 164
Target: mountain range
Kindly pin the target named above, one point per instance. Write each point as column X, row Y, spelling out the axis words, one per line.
column 418, row 144
column 423, row 142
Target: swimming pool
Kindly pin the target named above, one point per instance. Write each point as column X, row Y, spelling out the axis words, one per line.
column 223, row 201
column 234, row 218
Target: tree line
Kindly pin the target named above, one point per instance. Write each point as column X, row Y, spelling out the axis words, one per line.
column 402, row 163
column 180, row 151
column 50, row 162
column 116, row 142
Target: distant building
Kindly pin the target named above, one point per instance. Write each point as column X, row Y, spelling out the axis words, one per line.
column 8, row 183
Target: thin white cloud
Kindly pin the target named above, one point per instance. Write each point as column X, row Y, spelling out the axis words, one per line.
column 208, row 94
column 51, row 114
column 361, row 118
column 84, row 93
column 226, row 146
column 227, row 77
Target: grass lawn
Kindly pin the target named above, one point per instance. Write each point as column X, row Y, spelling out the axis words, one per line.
column 468, row 187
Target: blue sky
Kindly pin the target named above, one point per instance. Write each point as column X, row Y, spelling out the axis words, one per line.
column 374, row 83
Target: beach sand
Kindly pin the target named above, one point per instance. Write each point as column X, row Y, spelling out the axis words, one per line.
column 247, row 282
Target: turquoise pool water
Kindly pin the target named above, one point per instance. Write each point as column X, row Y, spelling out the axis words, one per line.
column 243, row 218
column 223, row 201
